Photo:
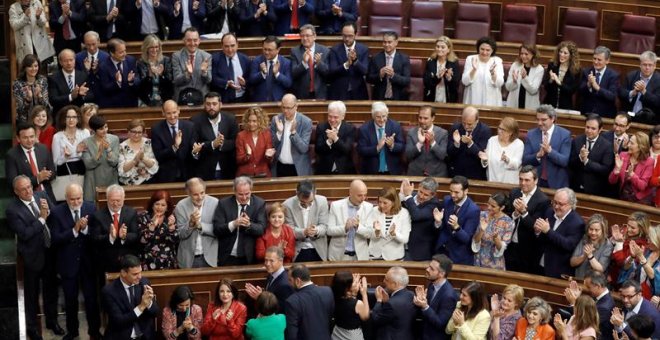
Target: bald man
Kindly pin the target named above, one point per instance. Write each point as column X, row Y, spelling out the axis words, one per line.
column 68, row 86
column 172, row 140
column 345, row 216
column 69, row 223
column 466, row 139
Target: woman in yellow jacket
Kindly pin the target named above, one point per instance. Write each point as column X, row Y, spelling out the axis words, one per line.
column 471, row 319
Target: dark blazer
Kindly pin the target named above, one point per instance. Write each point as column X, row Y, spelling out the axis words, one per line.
column 196, row 20
column 439, row 313
column 393, row 320
column 605, row 306
column 348, row 84
column 215, row 16
column 366, row 146
column 111, row 253
column 115, row 95
column 341, row 152
column 592, row 177
column 120, row 312
column 97, row 13
column 208, row 157
column 133, row 14
column 558, row 245
column 78, row 18
column 556, row 162
column 431, row 162
column 262, row 26
column 309, row 312
column 282, row 289
column 330, row 24
column 650, row 100
column 221, row 75
column 609, row 135
column 29, row 232
column 173, row 166
column 431, row 81
column 301, row 76
column 92, row 75
column 458, row 244
column 73, row 253
column 261, row 91
column 284, row 13
column 80, row 58
column 225, row 213
column 58, row 90
column 17, row 163
column 560, row 97
column 524, row 256
column 602, row 102
column 465, row 160
column 400, row 80
column 649, row 310
column 423, row 234
column 165, row 85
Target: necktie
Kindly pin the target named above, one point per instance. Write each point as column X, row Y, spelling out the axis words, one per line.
column 269, row 81
column 629, row 315
column 240, row 251
column 33, row 168
column 388, row 86
column 269, row 280
column 191, row 57
column 230, row 65
column 311, row 73
column 598, row 77
column 294, row 15
column 243, row 209
column 45, row 230
column 135, row 300
column 382, row 164
column 34, row 208
column 590, row 144
column 115, row 222
column 457, row 208
column 76, row 216
column 173, row 128
column 544, row 168
column 111, row 27
column 430, row 293
column 120, row 68
column 638, row 100
column 66, row 28
column 69, row 82
column 92, row 60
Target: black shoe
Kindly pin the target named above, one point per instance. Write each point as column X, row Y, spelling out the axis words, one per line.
column 34, row 335
column 55, row 327
column 70, row 336
column 96, row 336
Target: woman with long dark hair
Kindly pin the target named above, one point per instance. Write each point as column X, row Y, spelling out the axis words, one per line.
column 225, row 316
column 563, row 76
column 350, row 309
column 494, row 233
column 471, row 318
column 30, row 88
column 483, row 75
column 158, row 233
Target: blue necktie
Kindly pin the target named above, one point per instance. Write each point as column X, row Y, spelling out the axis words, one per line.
column 638, row 100
column 382, row 164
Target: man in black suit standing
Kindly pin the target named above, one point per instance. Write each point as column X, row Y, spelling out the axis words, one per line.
column 389, row 71
column 26, row 217
column 529, row 204
column 67, row 21
column 438, row 301
column 334, row 142
column 599, row 85
column 68, row 86
column 424, row 234
column 172, row 140
column 348, row 63
column 310, row 309
column 467, row 138
column 130, row 304
column 394, row 313
column 230, row 71
column 277, row 281
column 215, row 149
column 619, row 133
column 239, row 220
column 641, row 89
column 591, row 159
column 69, row 224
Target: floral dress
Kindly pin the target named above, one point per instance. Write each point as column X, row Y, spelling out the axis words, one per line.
column 160, row 245
column 486, row 254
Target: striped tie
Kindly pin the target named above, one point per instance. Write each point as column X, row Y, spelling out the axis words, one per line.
column 69, row 81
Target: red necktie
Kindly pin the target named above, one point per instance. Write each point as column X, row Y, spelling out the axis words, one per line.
column 294, row 15
column 311, row 73
column 66, row 29
column 33, row 168
column 115, row 223
column 192, row 60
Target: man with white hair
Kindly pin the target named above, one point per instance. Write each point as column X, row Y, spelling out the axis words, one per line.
column 334, row 142
column 198, row 246
column 641, row 88
column 394, row 313
column 380, row 143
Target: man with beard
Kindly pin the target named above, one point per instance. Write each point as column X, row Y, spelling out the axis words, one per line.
column 438, row 301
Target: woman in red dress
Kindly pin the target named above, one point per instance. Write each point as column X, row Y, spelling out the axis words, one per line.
column 277, row 234
column 254, row 146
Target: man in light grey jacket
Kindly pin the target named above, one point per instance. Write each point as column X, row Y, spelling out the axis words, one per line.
column 198, row 246
column 307, row 214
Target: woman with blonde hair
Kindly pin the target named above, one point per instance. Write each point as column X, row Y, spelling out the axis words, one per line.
column 594, row 250
column 563, row 76
column 633, row 170
column 524, row 80
column 535, row 323
column 504, row 153
column 155, row 72
column 278, row 234
column 137, row 162
column 441, row 74
column 254, row 146
column 635, row 231
column 388, row 227
column 506, row 312
column 88, row 110
column 646, row 265
column 584, row 323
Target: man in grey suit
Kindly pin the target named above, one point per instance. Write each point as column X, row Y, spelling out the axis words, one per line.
column 192, row 70
column 307, row 214
column 345, row 216
column 426, row 147
column 291, row 132
column 309, row 66
column 198, row 246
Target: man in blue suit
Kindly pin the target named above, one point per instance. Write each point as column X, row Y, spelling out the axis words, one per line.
column 438, row 301
column 309, row 310
column 394, row 313
column 90, row 58
column 118, row 78
column 277, row 281
column 270, row 73
column 380, row 143
column 466, row 140
column 291, row 132
column 635, row 304
column 599, row 85
column 423, row 234
column 389, row 71
column 69, row 224
column 558, row 234
column 548, row 148
column 196, row 13
column 230, row 71
column 641, row 88
column 256, row 18
column 292, row 14
column 333, row 13
column 348, row 63
column 172, row 140
column 457, row 222
column 595, row 284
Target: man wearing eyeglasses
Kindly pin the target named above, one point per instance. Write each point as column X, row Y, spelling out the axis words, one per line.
column 291, row 131
column 641, row 88
column 309, row 66
column 307, row 214
column 619, row 133
column 270, row 73
column 635, row 304
column 349, row 62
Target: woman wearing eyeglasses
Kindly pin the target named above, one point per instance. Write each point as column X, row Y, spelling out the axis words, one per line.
column 137, row 163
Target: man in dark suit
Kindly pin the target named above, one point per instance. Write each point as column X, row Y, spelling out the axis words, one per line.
column 291, row 15
column 332, row 14
column 595, row 284
column 599, row 85
column 558, row 234
column 68, row 86
column 26, row 217
column 310, row 309
column 67, row 20
column 394, row 313
column 334, row 142
column 380, row 143
column 618, row 136
column 438, row 301
column 309, row 66
column 147, row 17
column 31, row 159
column 641, row 89
column 239, row 220
column 130, row 304
column 215, row 149
column 89, row 58
column 529, row 204
column 591, row 159
column 270, row 73
column 349, row 63
column 114, row 231
column 389, row 71
column 469, row 137
column 257, row 18
column 548, row 147
column 108, row 19
column 457, row 222
column 423, row 234
column 172, row 140
column 230, row 71
column 426, row 146
column 635, row 304
column 196, row 13
column 222, row 16
column 118, row 78
column 277, row 281
column 69, row 224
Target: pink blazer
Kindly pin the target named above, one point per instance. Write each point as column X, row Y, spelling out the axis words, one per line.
column 655, row 181
column 641, row 176
column 168, row 326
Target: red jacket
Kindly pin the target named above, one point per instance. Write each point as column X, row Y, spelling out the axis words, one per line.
column 257, row 164
column 223, row 328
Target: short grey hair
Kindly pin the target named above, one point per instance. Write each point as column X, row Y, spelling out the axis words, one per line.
column 337, row 105
column 538, row 304
column 192, row 181
column 430, row 184
column 308, row 27
column 604, row 51
column 379, row 107
column 18, row 178
column 572, row 200
column 548, row 110
column 115, row 188
column 399, row 275
column 648, row 55
column 242, row 180
column 92, row 34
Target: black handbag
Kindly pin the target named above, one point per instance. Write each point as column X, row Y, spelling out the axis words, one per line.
column 190, row 96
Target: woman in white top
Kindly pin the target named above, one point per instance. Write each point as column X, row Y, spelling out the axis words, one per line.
column 388, row 227
column 137, row 163
column 68, row 146
column 483, row 75
column 524, row 81
column 504, row 152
